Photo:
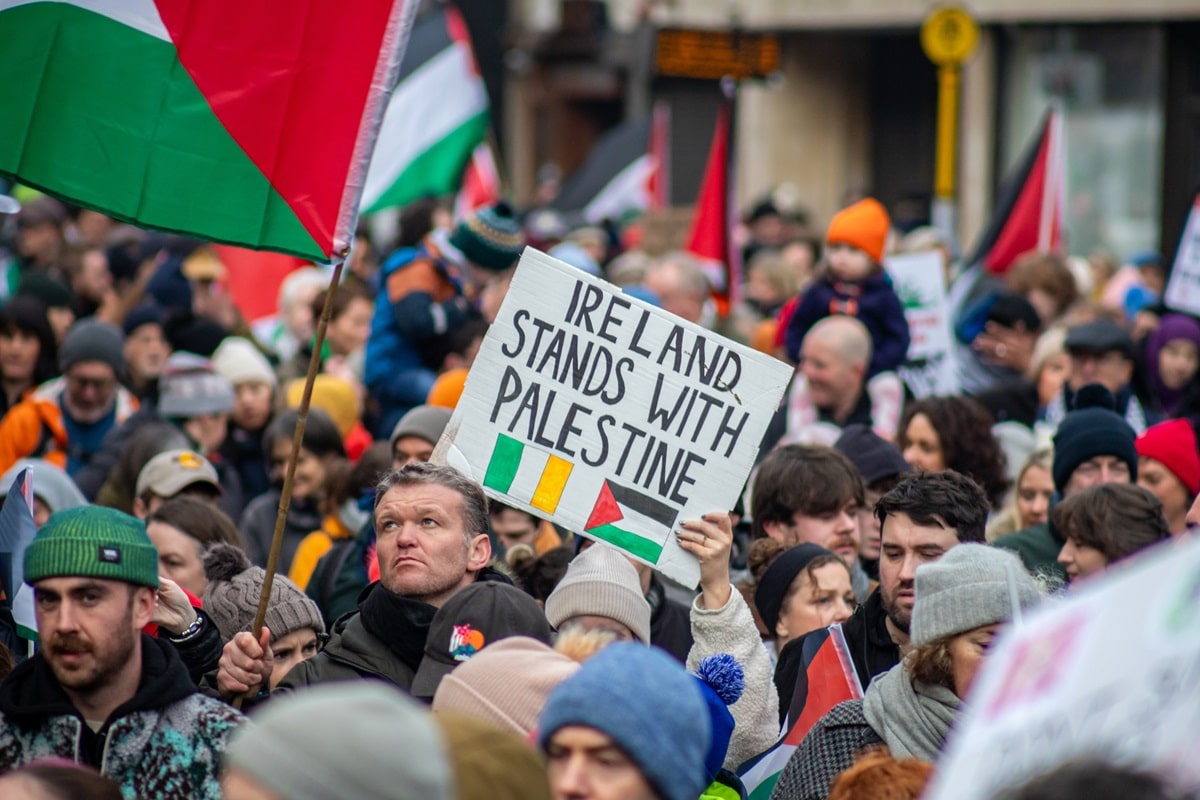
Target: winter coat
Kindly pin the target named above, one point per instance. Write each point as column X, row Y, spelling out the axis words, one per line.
column 164, row 743
column 314, row 546
column 1038, row 546
column 871, row 647
column 34, row 428
column 257, row 527
column 670, row 628
column 830, row 747
column 352, row 652
column 872, row 301
column 420, row 302
column 731, row 629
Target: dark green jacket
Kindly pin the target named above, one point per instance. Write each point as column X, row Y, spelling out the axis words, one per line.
column 1038, row 546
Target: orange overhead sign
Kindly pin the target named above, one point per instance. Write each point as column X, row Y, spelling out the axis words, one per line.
column 714, row 55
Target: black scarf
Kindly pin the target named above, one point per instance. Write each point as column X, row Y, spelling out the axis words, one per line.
column 400, row 623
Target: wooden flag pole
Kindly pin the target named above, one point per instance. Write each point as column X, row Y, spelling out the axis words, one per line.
column 285, row 497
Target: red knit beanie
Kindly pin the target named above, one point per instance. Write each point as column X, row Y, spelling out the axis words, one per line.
column 864, row 225
column 1173, row 444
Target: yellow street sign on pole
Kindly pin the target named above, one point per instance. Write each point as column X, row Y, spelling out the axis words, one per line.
column 948, row 36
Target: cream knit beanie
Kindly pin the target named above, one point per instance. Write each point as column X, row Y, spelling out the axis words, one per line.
column 601, row 582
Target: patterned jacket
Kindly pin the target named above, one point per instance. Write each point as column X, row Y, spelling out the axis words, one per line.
column 828, row 750
column 164, row 743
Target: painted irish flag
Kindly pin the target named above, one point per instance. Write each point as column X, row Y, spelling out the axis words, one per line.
column 632, row 520
column 436, row 117
column 244, row 122
column 527, row 473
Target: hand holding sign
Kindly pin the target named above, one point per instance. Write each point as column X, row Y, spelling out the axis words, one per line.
column 609, row 416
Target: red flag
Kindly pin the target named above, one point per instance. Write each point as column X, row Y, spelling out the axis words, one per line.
column 253, row 277
column 1029, row 211
column 480, row 183
column 712, row 226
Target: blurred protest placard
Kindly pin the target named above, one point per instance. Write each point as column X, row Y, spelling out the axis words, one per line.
column 609, row 416
column 1111, row 672
column 1183, row 289
column 920, row 283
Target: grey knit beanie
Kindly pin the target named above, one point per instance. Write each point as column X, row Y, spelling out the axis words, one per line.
column 601, row 582
column 93, row 340
column 424, row 422
column 234, row 586
column 361, row 739
column 189, row 387
column 971, row 586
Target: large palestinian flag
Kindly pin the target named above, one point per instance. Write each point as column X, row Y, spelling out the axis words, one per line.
column 249, row 123
column 435, row 119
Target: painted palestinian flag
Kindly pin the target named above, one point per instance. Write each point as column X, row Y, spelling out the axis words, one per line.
column 615, row 179
column 527, row 473
column 249, row 123
column 631, row 520
column 435, row 118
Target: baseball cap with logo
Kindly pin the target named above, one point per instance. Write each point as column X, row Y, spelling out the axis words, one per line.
column 169, row 473
column 474, row 617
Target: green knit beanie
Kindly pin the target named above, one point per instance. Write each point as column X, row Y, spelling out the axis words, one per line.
column 490, row 238
column 93, row 542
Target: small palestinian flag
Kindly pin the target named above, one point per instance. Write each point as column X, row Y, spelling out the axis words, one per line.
column 615, row 179
column 635, row 522
column 527, row 473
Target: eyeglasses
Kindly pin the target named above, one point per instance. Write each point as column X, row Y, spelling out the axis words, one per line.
column 99, row 384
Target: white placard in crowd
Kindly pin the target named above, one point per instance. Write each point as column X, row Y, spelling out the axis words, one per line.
column 920, row 282
column 1183, row 289
column 1112, row 672
column 609, row 416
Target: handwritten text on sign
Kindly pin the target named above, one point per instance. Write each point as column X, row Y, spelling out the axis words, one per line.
column 609, row 416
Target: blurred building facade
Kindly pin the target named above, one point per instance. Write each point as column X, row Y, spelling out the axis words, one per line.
column 852, row 106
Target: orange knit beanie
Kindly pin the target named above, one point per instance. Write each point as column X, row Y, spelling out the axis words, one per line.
column 864, row 225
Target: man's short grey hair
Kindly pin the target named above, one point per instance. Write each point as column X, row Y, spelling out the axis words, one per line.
column 688, row 272
column 474, row 503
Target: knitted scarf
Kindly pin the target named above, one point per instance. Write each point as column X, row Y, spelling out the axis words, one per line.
column 912, row 720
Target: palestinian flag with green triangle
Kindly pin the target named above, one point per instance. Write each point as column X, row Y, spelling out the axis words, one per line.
column 249, row 122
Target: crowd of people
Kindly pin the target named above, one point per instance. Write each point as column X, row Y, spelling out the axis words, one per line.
column 421, row 639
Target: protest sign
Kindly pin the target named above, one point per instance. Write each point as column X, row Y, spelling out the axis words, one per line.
column 609, row 416
column 1183, row 289
column 920, row 283
column 1110, row 673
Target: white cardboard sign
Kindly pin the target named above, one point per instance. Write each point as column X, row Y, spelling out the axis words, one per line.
column 1183, row 289
column 1112, row 672
column 920, row 283
column 609, row 416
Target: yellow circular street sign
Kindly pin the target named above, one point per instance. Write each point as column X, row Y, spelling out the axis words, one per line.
column 949, row 35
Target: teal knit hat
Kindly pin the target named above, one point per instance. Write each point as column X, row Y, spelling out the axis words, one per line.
column 490, row 238
column 93, row 542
